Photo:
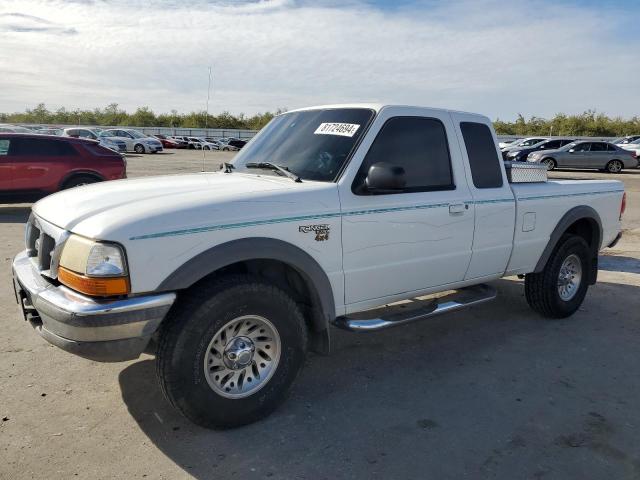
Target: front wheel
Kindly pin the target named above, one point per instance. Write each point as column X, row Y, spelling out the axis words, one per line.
column 139, row 148
column 230, row 350
column 550, row 163
column 614, row 166
column 559, row 289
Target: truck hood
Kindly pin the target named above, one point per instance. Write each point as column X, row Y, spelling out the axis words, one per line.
column 117, row 210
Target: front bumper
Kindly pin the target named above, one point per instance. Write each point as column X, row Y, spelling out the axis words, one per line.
column 101, row 330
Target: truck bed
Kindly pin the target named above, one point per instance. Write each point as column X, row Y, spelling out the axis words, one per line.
column 540, row 206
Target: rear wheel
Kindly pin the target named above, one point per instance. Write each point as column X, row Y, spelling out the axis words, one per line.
column 550, row 163
column 614, row 166
column 139, row 148
column 230, row 351
column 559, row 289
column 80, row 180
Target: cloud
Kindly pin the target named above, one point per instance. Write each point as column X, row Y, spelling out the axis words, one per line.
column 24, row 23
column 497, row 58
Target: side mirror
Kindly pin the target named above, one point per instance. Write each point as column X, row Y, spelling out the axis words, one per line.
column 385, row 177
column 571, row 150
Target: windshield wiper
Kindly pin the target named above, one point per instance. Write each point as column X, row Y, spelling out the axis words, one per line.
column 278, row 168
column 227, row 167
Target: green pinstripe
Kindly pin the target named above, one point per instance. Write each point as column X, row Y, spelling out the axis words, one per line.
column 320, row 216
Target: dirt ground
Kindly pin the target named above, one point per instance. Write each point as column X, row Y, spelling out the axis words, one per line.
column 492, row 392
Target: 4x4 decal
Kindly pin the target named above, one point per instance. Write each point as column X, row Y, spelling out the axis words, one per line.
column 321, row 231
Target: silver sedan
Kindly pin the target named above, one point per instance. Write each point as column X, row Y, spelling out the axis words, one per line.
column 585, row 154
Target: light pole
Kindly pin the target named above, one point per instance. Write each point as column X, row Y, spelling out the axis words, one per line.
column 206, row 115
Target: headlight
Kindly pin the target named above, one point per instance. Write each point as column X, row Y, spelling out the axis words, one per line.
column 93, row 268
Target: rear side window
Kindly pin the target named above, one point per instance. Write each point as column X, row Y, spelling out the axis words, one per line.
column 598, row 147
column 611, row 148
column 417, row 144
column 41, row 147
column 483, row 159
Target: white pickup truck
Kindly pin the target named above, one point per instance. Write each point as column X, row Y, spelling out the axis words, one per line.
column 329, row 215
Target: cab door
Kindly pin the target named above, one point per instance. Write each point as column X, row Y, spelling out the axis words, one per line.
column 402, row 242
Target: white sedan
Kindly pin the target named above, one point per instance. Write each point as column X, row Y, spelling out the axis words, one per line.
column 632, row 146
column 135, row 140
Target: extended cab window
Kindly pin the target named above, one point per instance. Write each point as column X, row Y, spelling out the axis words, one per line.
column 418, row 145
column 483, row 159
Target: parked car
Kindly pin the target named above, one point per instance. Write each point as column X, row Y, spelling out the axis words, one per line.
column 632, row 147
column 226, row 145
column 48, row 131
column 14, row 129
column 168, row 142
column 95, row 134
column 213, row 140
column 625, row 140
column 585, row 154
column 524, row 142
column 506, row 143
column 45, row 164
column 232, row 291
column 237, row 143
column 190, row 142
column 135, row 140
column 519, row 154
column 204, row 144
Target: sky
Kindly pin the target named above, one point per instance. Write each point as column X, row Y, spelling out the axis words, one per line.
column 498, row 58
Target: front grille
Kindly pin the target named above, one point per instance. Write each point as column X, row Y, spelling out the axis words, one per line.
column 43, row 243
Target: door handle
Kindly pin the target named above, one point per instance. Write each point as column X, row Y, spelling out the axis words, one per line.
column 456, row 208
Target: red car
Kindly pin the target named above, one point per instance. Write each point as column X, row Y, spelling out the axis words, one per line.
column 45, row 164
column 170, row 142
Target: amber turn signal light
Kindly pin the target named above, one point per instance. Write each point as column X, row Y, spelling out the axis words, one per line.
column 97, row 287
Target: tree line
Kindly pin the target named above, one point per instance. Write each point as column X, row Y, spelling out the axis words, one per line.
column 113, row 115
column 589, row 123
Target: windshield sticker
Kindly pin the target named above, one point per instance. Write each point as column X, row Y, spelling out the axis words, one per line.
column 341, row 129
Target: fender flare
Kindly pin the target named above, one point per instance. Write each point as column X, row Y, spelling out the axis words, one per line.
column 568, row 219
column 259, row 248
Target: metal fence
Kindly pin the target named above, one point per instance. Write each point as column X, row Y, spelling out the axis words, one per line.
column 170, row 131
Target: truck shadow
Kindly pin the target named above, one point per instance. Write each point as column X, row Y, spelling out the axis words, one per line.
column 476, row 388
column 618, row 263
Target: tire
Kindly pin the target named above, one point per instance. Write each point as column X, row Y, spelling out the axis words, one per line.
column 186, row 349
column 80, row 180
column 225, row 149
column 614, row 166
column 543, row 291
column 550, row 163
column 206, row 147
column 138, row 148
column 191, row 147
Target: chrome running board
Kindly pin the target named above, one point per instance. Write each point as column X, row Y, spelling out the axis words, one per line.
column 415, row 309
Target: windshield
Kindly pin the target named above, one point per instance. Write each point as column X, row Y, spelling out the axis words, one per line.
column 313, row 144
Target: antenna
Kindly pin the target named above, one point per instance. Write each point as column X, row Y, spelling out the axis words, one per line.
column 206, row 117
